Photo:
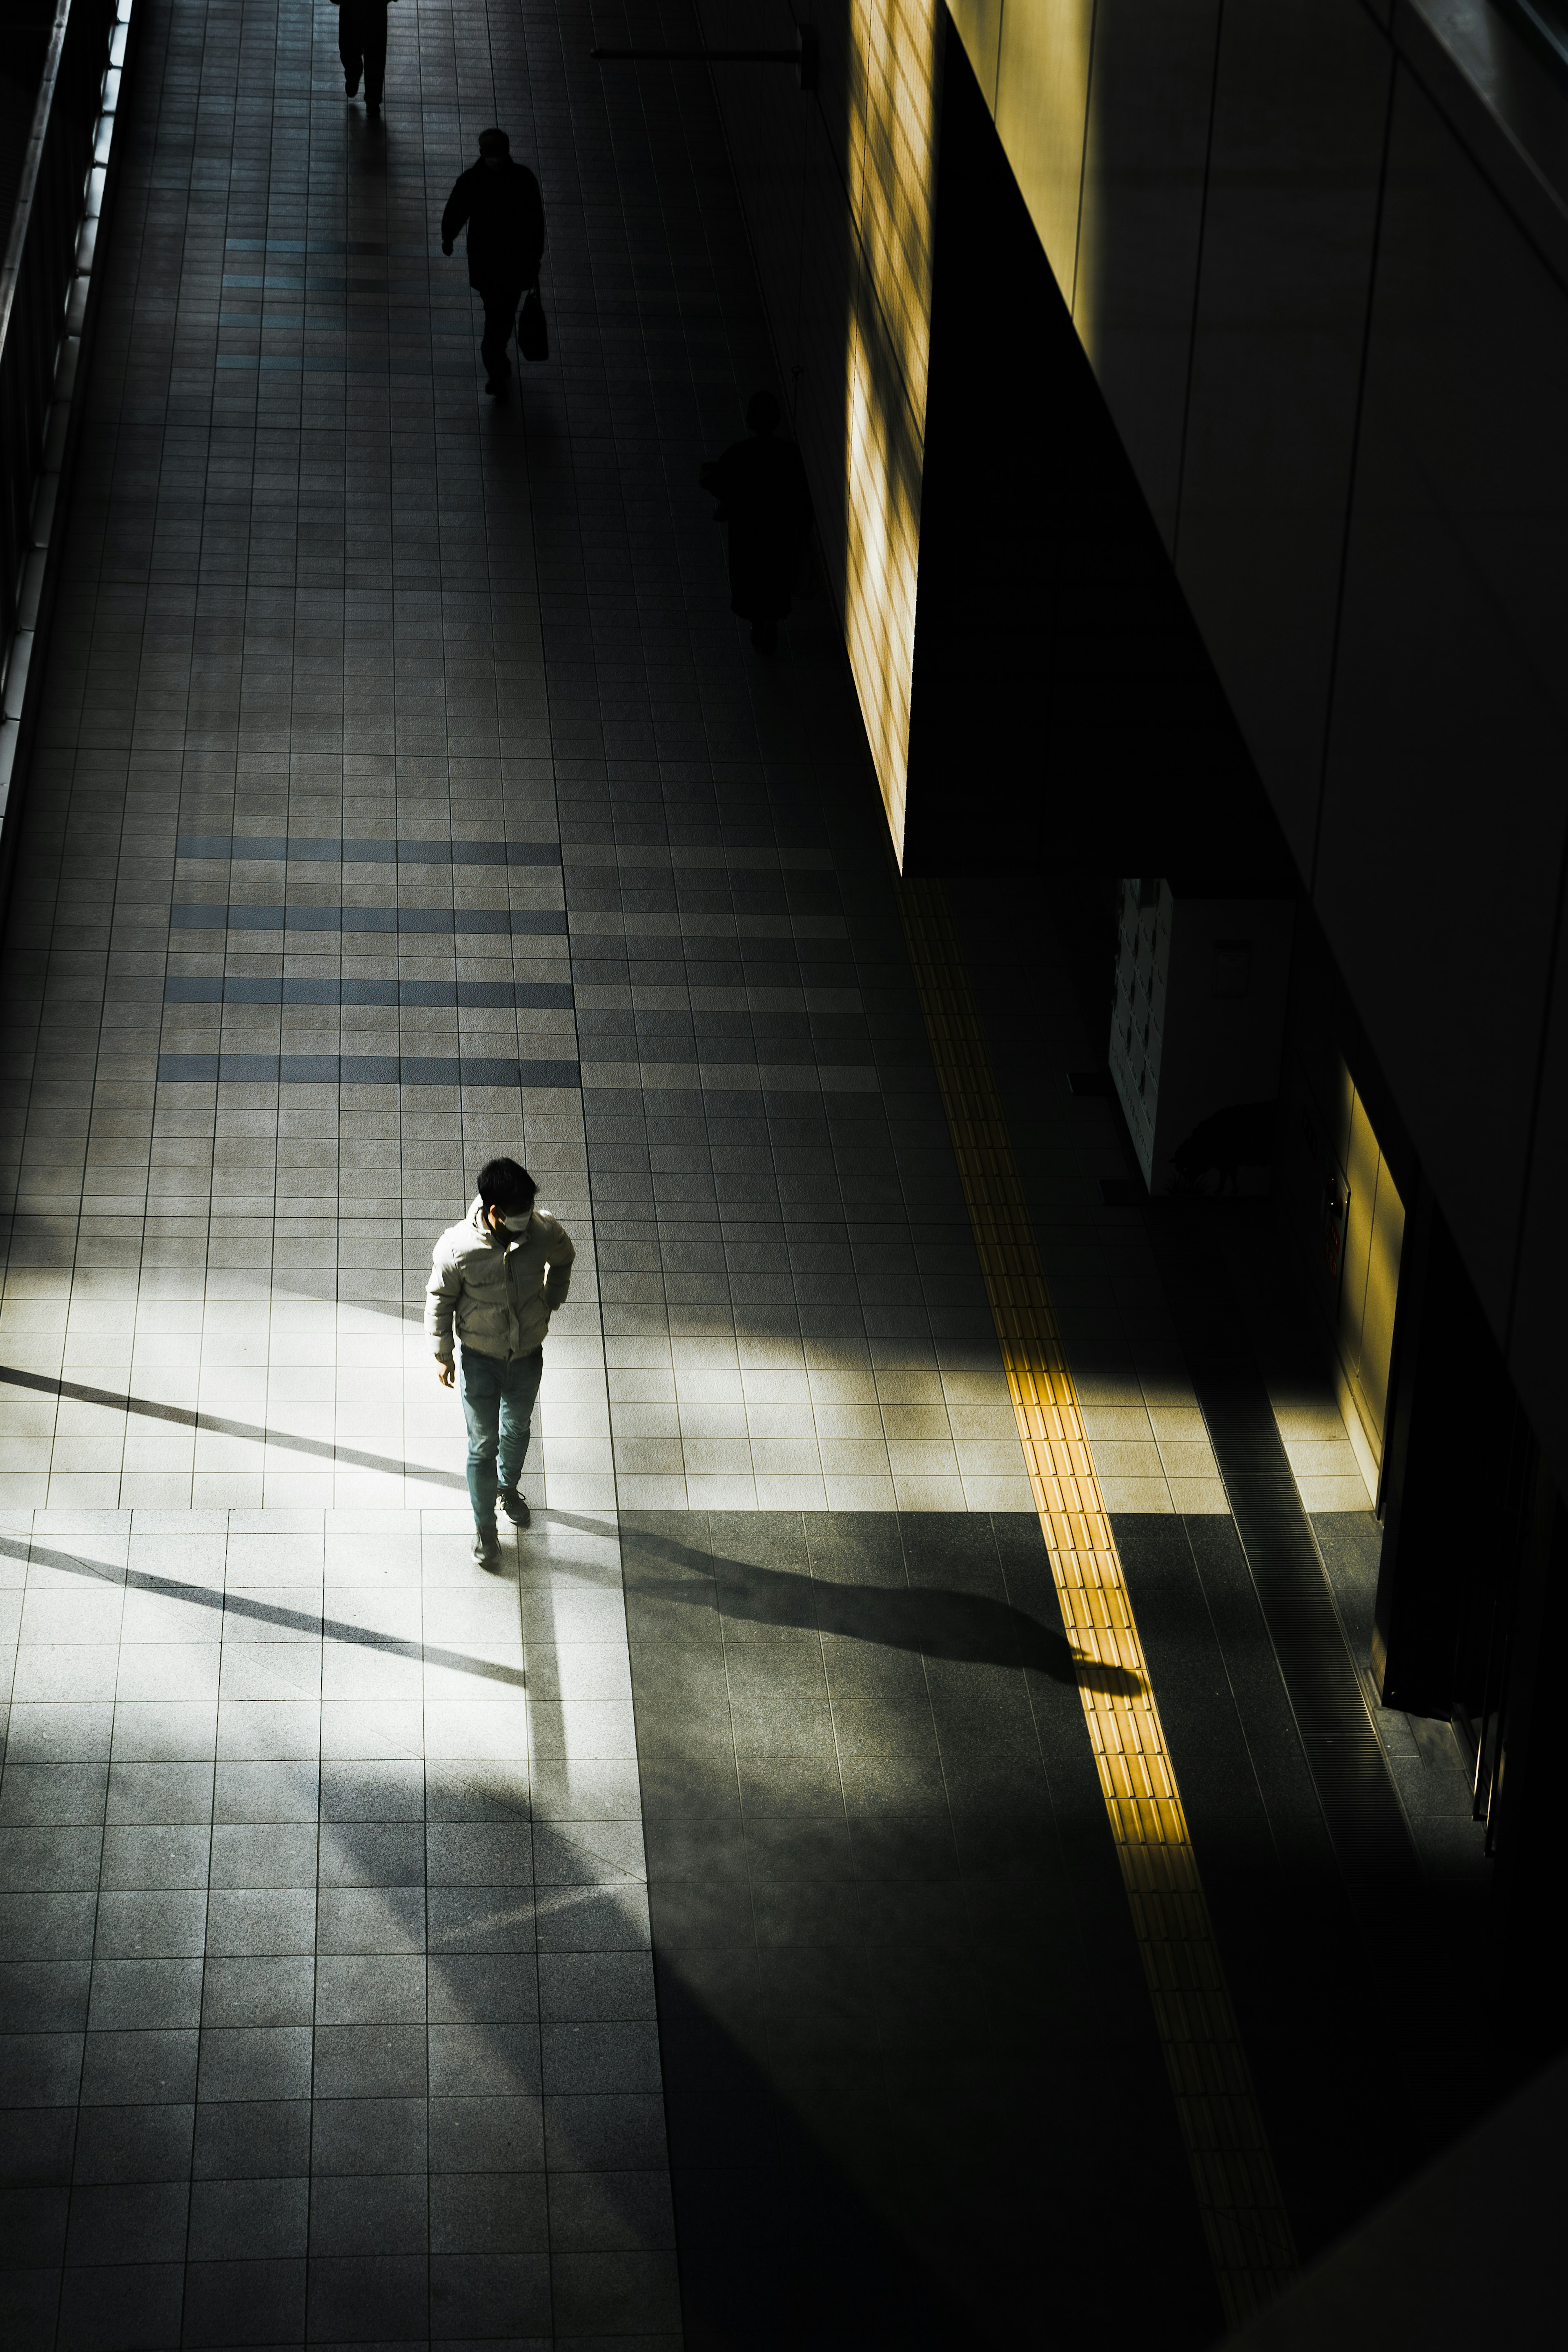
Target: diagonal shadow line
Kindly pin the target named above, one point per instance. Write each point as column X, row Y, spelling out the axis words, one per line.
column 1043, row 1648
column 267, row 1612
column 256, row 1433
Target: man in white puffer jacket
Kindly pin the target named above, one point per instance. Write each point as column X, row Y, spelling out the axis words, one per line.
column 495, row 1281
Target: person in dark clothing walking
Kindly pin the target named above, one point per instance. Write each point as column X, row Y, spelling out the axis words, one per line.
column 362, row 46
column 761, row 487
column 501, row 202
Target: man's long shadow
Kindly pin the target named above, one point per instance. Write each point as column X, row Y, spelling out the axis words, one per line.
column 965, row 1628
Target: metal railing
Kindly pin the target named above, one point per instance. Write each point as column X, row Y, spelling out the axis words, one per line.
column 43, row 287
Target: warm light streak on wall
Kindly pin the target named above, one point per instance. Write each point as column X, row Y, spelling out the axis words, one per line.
column 1369, row 1278
column 892, row 71
column 1042, row 119
column 1042, row 104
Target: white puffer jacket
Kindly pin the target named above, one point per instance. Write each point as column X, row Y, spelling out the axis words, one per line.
column 496, row 1293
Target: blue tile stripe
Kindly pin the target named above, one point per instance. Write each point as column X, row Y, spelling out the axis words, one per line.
column 256, row 363
column 536, row 996
column 266, row 364
column 290, row 281
column 331, row 244
column 333, row 850
column 315, row 319
column 209, row 915
column 361, row 1070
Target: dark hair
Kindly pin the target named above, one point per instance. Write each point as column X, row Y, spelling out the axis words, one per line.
column 504, row 1185
column 763, row 413
column 488, row 139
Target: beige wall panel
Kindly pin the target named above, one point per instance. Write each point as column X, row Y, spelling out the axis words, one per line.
column 1374, row 1239
column 979, row 24
column 881, row 556
column 892, row 96
column 892, row 84
column 1340, row 1113
column 1382, row 1291
column 850, row 312
column 1361, row 1173
column 1042, row 108
column 1150, row 101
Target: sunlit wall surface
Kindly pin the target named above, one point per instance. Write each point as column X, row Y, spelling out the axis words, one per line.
column 891, row 153
column 839, row 193
column 1374, row 1240
column 1103, row 116
column 1040, row 100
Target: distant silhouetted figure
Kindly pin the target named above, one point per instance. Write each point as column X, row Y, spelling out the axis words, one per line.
column 760, row 484
column 361, row 45
column 501, row 202
column 1220, row 1146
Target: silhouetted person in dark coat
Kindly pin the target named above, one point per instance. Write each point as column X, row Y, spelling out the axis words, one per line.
column 760, row 484
column 361, row 45
column 501, row 202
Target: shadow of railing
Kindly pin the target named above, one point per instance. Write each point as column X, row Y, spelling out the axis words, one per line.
column 935, row 1622
column 220, row 1426
column 263, row 1612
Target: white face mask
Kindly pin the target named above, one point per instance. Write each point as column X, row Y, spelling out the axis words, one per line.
column 519, row 1224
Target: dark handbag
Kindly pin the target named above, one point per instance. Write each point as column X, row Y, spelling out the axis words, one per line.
column 532, row 334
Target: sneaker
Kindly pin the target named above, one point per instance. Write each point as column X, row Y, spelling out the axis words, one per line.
column 372, row 110
column 515, row 1506
column 494, row 390
column 351, row 88
column 487, row 1548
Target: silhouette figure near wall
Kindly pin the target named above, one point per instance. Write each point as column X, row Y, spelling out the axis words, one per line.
column 499, row 202
column 761, row 487
column 362, row 46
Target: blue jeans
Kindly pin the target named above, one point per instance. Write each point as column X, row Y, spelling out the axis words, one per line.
column 497, row 1405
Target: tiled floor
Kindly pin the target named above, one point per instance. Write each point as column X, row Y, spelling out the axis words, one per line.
column 406, row 793
column 405, row 784
column 326, row 1935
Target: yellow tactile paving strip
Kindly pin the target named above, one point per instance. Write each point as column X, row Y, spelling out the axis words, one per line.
column 1244, row 2214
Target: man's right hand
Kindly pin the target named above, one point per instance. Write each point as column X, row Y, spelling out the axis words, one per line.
column 446, row 248
column 445, row 1374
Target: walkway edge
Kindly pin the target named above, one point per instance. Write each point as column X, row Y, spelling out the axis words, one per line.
column 21, row 660
column 1245, row 2220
